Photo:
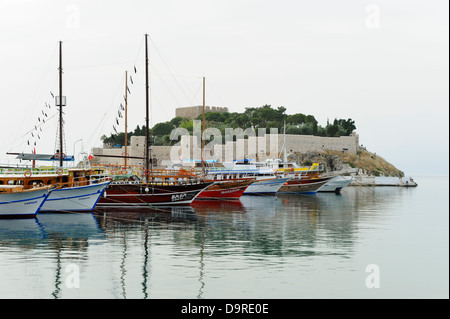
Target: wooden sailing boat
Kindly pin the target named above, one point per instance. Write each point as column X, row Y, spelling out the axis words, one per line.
column 225, row 189
column 76, row 189
column 146, row 192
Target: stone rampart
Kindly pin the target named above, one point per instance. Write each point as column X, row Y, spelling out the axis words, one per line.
column 192, row 112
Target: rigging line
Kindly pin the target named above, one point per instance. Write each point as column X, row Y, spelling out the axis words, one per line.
column 102, row 122
column 159, row 103
column 165, row 84
column 139, row 51
column 97, row 65
column 38, row 90
column 198, row 89
column 169, row 68
column 14, row 144
column 39, row 125
column 211, row 87
column 103, row 38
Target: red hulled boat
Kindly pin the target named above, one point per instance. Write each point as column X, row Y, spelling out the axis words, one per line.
column 232, row 189
column 138, row 194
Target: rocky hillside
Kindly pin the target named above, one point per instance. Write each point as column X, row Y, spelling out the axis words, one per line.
column 364, row 162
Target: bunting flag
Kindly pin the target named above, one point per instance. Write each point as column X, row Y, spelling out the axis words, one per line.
column 34, row 134
column 131, row 79
column 135, row 71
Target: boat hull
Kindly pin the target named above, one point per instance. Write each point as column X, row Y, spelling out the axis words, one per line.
column 266, row 186
column 25, row 204
column 335, row 185
column 303, row 186
column 228, row 190
column 141, row 195
column 74, row 199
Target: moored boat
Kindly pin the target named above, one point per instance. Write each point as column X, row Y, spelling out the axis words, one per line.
column 303, row 186
column 232, row 189
column 335, row 184
column 17, row 202
column 75, row 189
column 74, row 199
column 266, row 182
column 140, row 193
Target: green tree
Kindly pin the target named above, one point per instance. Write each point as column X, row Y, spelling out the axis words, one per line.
column 176, row 121
column 163, row 128
column 297, row 118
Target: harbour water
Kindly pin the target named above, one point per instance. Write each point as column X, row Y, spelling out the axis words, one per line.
column 367, row 242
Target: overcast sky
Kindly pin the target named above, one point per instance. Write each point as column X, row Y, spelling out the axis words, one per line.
column 382, row 63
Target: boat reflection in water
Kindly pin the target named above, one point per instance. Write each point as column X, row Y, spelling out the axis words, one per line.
column 151, row 252
column 21, row 233
column 111, row 217
column 218, row 206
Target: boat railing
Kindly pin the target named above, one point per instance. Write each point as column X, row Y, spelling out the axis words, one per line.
column 30, row 171
column 159, row 182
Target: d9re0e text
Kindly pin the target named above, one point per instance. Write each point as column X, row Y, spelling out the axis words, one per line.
column 247, row 308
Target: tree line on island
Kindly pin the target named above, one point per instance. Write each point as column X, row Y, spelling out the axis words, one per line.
column 253, row 117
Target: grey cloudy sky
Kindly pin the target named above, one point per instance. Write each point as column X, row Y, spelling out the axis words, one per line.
column 382, row 63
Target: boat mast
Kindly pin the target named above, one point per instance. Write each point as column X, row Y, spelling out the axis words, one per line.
column 284, row 144
column 126, row 124
column 60, row 108
column 147, row 157
column 203, row 129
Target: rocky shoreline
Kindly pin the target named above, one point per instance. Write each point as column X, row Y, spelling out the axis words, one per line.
column 366, row 168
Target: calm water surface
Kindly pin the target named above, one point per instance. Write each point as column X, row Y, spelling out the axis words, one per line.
column 259, row 247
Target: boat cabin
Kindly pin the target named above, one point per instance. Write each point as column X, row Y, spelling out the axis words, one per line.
column 30, row 178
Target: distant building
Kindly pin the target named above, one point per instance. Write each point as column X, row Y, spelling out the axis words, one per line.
column 192, row 112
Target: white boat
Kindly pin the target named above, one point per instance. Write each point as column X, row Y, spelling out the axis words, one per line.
column 75, row 189
column 75, row 199
column 16, row 202
column 336, row 184
column 266, row 183
column 268, row 186
column 383, row 181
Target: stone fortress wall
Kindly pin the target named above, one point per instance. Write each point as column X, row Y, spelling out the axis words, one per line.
column 254, row 147
column 192, row 112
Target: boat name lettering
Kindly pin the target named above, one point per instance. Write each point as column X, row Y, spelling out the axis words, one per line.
column 178, row 197
column 30, row 203
column 229, row 191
